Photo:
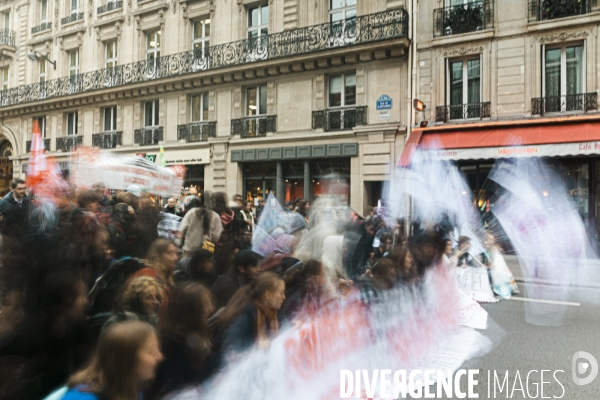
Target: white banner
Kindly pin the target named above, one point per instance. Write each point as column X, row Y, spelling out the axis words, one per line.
column 91, row 166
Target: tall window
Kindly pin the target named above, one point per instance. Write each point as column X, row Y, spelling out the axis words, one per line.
column 153, row 45
column 4, row 76
column 258, row 25
column 74, row 6
column 151, row 113
column 110, row 119
column 42, row 122
column 256, row 100
column 342, row 90
column 74, row 63
column 72, row 123
column 111, row 54
column 42, row 71
column 201, row 37
column 465, row 82
column 199, row 106
column 340, row 10
column 6, row 20
column 43, row 11
column 563, row 76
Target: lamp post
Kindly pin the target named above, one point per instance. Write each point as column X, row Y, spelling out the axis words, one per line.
column 36, row 55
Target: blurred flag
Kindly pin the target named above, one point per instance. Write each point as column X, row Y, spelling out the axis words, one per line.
column 36, row 164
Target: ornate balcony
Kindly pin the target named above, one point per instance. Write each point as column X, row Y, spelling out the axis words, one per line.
column 570, row 102
column 107, row 140
column 542, row 10
column 462, row 111
column 463, row 18
column 197, row 131
column 46, row 145
column 338, row 119
column 41, row 27
column 390, row 24
column 7, row 38
column 110, row 6
column 254, row 126
column 71, row 18
column 148, row 136
column 68, row 143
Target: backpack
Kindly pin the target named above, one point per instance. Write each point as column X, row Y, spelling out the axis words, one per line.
column 103, row 295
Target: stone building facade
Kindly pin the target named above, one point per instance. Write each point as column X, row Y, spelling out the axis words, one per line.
column 252, row 96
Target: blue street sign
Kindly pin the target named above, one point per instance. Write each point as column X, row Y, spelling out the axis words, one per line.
column 384, row 102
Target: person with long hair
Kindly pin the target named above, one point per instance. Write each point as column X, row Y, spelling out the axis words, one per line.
column 161, row 261
column 198, row 226
column 186, row 340
column 251, row 315
column 124, row 362
column 302, row 208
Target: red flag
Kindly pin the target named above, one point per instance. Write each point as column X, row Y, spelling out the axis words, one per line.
column 37, row 159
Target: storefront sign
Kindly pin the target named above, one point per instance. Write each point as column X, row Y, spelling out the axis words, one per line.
column 150, row 157
column 542, row 150
column 187, row 157
column 384, row 102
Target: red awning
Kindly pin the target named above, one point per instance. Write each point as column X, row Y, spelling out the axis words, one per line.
column 502, row 134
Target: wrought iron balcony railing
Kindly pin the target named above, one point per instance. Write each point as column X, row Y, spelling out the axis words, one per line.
column 541, row 10
column 110, row 6
column 254, row 126
column 7, row 37
column 107, row 140
column 197, row 131
column 72, row 18
column 569, row 102
column 68, row 143
column 370, row 28
column 44, row 26
column 149, row 135
column 462, row 111
column 46, row 145
column 337, row 119
column 470, row 17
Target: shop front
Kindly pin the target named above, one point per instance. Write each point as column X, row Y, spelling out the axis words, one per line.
column 569, row 147
column 296, row 172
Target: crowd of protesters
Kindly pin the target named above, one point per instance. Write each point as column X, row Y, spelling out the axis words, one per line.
column 96, row 306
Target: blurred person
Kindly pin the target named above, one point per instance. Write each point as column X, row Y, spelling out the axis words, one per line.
column 186, row 341
column 260, row 207
column 224, row 254
column 385, row 246
column 123, row 364
column 161, row 261
column 145, row 226
column 290, row 206
column 404, row 263
column 245, row 239
column 242, row 272
column 193, row 194
column 135, row 193
column 357, row 258
column 15, row 209
column 247, row 215
column 122, row 235
column 306, row 290
column 464, row 258
column 200, row 228
column 139, row 301
column 251, row 315
column 231, row 221
column 172, row 207
column 502, row 280
column 302, row 208
column 199, row 268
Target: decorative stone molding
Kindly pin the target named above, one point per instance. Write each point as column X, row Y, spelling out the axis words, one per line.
column 98, row 36
column 463, row 51
column 174, row 5
column 563, row 36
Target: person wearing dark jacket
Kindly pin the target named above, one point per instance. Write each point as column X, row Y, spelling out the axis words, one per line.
column 251, row 316
column 15, row 209
column 243, row 271
column 199, row 268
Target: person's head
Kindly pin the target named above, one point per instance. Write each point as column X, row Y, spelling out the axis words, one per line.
column 135, row 191
column 290, row 205
column 262, row 202
column 19, row 188
column 270, row 290
column 247, row 206
column 384, row 274
column 224, row 255
column 238, row 199
column 464, row 243
column 246, row 236
column 448, row 249
column 370, row 228
column 162, row 256
column 404, row 263
column 489, row 241
column 99, row 188
column 246, row 264
column 201, row 263
column 142, row 295
column 426, row 249
column 193, row 191
column 125, row 360
column 219, row 202
column 303, row 206
column 88, row 200
column 188, row 310
column 171, row 202
column 385, row 242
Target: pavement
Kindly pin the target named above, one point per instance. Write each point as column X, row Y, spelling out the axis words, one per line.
column 589, row 279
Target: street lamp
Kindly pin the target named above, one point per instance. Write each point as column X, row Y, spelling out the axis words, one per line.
column 35, row 56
